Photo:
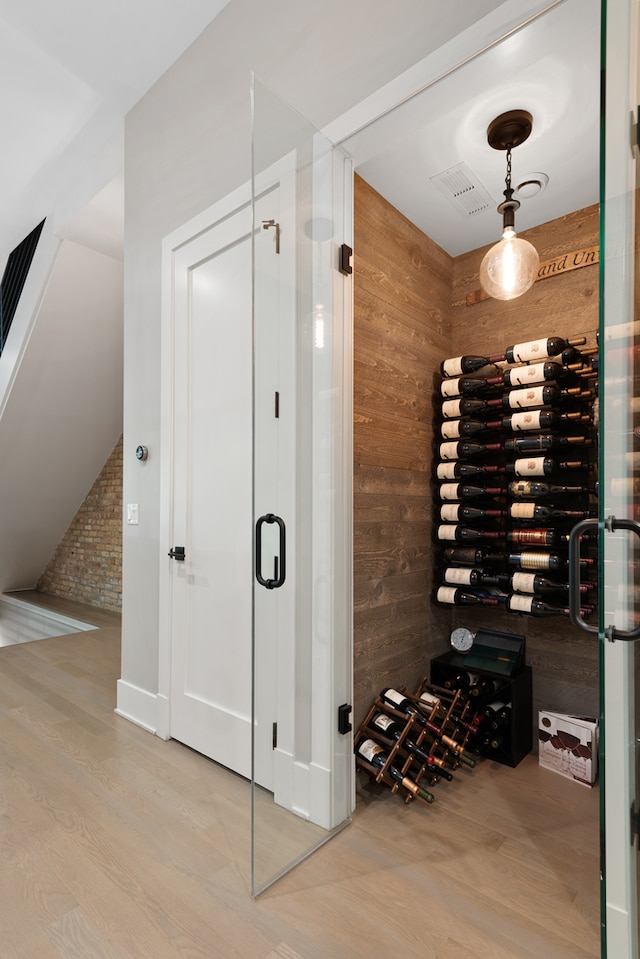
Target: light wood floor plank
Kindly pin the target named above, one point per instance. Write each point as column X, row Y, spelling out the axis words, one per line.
column 116, row 845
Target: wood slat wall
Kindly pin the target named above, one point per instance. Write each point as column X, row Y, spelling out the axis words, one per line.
column 402, row 301
column 410, row 313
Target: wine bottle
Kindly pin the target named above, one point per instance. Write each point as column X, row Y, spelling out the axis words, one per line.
column 544, row 466
column 463, row 407
column 375, row 755
column 528, row 444
column 394, row 698
column 394, row 730
column 543, row 514
column 533, row 583
column 521, row 603
column 429, row 700
column 526, row 559
column 461, row 449
column 464, row 385
column 533, row 537
column 471, row 576
column 456, row 491
column 459, row 680
column 454, row 747
column 472, row 728
column 530, row 420
column 454, row 596
column 522, row 488
column 534, row 349
column 442, row 767
column 497, row 714
column 525, row 375
column 466, row 534
column 456, row 512
column 456, row 470
column 452, row 429
column 471, row 556
column 483, row 686
column 532, row 396
column 401, row 703
column 493, row 743
column 457, row 365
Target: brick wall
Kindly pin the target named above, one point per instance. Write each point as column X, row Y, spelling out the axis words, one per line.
column 87, row 565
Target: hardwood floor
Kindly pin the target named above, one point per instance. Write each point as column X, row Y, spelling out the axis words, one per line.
column 116, row 845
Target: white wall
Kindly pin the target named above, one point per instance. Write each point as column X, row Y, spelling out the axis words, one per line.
column 187, row 144
column 60, row 400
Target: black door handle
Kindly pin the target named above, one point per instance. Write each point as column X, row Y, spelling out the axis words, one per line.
column 280, row 569
column 574, row 573
column 612, row 524
column 177, row 553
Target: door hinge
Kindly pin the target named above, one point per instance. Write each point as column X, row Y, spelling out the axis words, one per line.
column 267, row 224
column 277, row 405
column 344, row 726
column 274, row 736
column 345, row 260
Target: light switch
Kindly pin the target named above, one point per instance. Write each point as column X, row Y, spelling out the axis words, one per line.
column 132, row 514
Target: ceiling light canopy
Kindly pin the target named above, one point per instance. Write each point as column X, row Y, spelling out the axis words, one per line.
column 510, row 267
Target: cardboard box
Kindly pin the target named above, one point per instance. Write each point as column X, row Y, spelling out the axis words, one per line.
column 569, row 745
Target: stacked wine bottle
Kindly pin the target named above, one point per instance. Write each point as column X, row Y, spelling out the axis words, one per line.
column 413, row 742
column 515, row 470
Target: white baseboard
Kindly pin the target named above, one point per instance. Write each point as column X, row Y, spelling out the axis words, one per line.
column 138, row 706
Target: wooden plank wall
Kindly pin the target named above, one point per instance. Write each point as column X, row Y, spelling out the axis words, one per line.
column 564, row 660
column 410, row 313
column 402, row 300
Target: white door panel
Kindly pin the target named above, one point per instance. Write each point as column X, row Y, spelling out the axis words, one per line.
column 211, row 493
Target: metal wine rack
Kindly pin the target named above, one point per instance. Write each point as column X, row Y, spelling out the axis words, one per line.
column 510, row 535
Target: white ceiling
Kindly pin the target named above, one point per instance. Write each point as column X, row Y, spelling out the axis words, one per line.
column 75, row 65
column 552, row 69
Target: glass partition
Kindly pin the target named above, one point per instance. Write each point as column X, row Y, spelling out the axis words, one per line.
column 302, row 773
column 619, row 468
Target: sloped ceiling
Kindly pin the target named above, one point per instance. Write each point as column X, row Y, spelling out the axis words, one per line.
column 72, row 69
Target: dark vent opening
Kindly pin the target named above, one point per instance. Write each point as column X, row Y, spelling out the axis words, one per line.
column 13, row 280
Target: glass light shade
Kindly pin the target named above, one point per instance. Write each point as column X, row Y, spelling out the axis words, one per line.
column 509, row 268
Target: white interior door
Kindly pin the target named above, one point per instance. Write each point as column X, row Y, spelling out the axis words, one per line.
column 211, row 493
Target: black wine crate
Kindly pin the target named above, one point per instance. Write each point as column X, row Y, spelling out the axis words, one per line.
column 516, row 737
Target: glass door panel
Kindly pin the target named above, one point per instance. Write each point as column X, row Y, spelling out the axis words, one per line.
column 302, row 764
column 619, row 481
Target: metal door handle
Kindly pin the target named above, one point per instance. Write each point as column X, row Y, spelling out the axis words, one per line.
column 612, row 524
column 177, row 553
column 279, row 561
column 574, row 574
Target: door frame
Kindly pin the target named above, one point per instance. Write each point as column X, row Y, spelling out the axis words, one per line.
column 341, row 681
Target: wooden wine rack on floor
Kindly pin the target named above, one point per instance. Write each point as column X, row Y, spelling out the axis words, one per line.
column 400, row 758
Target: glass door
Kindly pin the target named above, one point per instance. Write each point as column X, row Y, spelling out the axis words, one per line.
column 620, row 480
column 302, row 762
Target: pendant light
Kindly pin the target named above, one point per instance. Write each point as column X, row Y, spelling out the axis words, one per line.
column 510, row 267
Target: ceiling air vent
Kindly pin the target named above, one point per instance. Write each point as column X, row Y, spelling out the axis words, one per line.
column 463, row 190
